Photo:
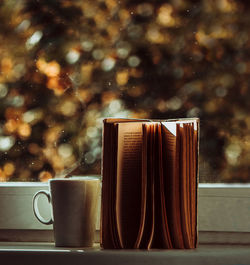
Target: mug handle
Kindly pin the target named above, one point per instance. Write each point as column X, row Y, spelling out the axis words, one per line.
column 36, row 210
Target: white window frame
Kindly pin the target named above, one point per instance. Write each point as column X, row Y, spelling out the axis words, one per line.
column 223, row 213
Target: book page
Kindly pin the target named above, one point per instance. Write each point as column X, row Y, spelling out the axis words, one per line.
column 171, row 151
column 129, row 183
column 147, row 228
column 192, row 184
column 161, row 237
column 185, row 183
column 188, row 177
column 109, row 235
column 195, row 180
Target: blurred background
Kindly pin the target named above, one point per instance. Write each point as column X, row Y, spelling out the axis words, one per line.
column 65, row 65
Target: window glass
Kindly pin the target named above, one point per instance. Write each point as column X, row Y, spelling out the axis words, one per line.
column 64, row 65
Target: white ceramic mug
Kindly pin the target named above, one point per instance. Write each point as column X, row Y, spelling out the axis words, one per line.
column 74, row 205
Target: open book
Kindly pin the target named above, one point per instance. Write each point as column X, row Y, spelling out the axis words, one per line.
column 149, row 185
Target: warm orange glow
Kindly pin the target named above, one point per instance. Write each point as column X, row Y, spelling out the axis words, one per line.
column 155, row 36
column 137, row 73
column 85, row 95
column 57, row 163
column 11, row 126
column 113, row 30
column 86, row 72
column 13, row 113
column 111, row 4
column 212, row 106
column 24, row 130
column 6, row 65
column 53, row 71
column 68, row 108
column 162, row 106
column 50, row 69
column 124, row 15
column 52, row 135
column 226, row 6
column 122, row 78
column 100, row 19
column 3, row 177
column 165, row 16
column 44, row 176
column 108, row 96
column 9, row 169
column 41, row 65
column 54, row 84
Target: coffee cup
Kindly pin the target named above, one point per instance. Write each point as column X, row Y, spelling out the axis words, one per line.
column 74, row 210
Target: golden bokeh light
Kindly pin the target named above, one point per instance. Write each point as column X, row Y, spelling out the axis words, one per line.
column 122, row 77
column 44, row 176
column 108, row 96
column 3, row 176
column 166, row 17
column 68, row 108
column 52, row 135
column 51, row 69
column 8, row 169
column 154, row 35
column 11, row 126
column 24, row 130
column 6, row 65
column 65, row 67
column 13, row 113
column 85, row 95
column 86, row 73
column 54, row 84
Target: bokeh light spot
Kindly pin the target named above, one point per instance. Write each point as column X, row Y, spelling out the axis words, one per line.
column 3, row 90
column 34, row 39
column 87, row 46
column 6, row 142
column 108, row 64
column 65, row 150
column 134, row 61
column 9, row 169
column 98, row 54
column 122, row 78
column 72, row 56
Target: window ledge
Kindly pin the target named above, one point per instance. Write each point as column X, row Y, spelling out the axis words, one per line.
column 47, row 253
column 223, row 213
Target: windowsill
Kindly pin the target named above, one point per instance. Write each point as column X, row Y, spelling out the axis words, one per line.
column 223, row 224
column 47, row 253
